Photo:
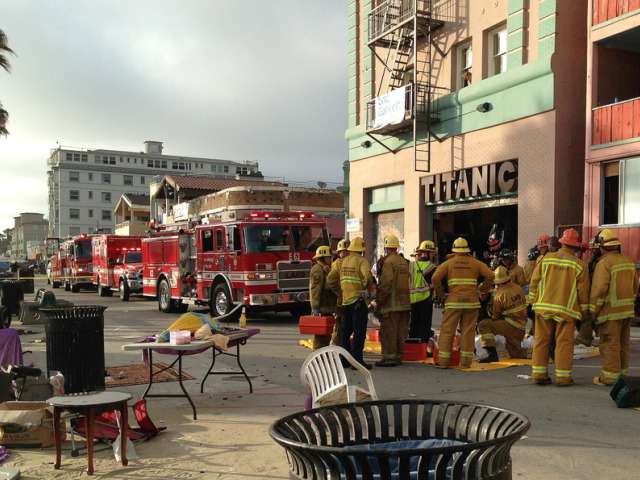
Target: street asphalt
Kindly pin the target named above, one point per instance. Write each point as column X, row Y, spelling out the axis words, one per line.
column 576, row 432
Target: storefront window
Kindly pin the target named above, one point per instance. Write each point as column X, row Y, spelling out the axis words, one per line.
column 631, row 190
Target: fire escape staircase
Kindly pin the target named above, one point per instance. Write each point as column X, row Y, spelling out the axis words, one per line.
column 397, row 26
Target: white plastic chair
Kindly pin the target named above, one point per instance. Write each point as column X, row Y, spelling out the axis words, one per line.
column 323, row 372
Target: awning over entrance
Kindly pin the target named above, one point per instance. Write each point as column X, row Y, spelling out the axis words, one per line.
column 462, row 206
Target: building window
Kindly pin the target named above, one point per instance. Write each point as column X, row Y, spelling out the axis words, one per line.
column 497, row 48
column 164, row 164
column 226, row 169
column 84, row 157
column 128, row 160
column 106, row 178
column 74, row 213
column 76, row 157
column 174, row 165
column 74, row 231
column 91, row 213
column 112, row 160
column 181, row 165
column 105, row 160
column 464, row 62
column 74, row 176
column 90, row 176
column 120, row 159
column 135, row 160
column 106, row 214
column 106, row 197
column 142, row 179
column 69, row 157
column 90, row 192
column 150, row 163
column 213, row 168
column 390, row 197
column 128, row 179
column 74, row 195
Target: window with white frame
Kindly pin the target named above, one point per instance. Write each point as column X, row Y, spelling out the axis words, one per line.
column 106, row 178
column 74, row 176
column 106, row 214
column 106, row 197
column 74, row 195
column 128, row 179
column 464, row 60
column 74, row 213
column 497, row 50
column 621, row 192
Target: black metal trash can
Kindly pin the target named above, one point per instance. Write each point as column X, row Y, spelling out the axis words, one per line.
column 400, row 439
column 75, row 346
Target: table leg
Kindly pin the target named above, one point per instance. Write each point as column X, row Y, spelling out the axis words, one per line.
column 150, row 373
column 242, row 368
column 124, row 432
column 211, row 367
column 193, row 407
column 89, row 429
column 57, row 437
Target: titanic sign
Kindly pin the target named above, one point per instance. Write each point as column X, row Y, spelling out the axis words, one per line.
column 484, row 181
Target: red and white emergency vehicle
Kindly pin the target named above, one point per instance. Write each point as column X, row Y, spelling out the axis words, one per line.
column 55, row 267
column 261, row 260
column 117, row 265
column 71, row 266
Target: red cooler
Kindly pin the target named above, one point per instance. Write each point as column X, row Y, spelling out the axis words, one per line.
column 317, row 325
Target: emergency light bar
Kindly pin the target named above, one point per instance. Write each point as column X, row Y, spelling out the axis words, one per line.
column 281, row 215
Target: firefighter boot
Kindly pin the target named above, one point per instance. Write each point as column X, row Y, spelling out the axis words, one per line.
column 492, row 357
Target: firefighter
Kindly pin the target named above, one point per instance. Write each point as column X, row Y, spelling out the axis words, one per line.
column 585, row 329
column 559, row 293
column 422, row 269
column 393, row 303
column 323, row 300
column 540, row 250
column 613, row 293
column 509, row 318
column 356, row 283
column 462, row 305
column 333, row 280
column 516, row 272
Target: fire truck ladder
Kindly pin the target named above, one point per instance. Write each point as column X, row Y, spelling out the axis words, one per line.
column 398, row 25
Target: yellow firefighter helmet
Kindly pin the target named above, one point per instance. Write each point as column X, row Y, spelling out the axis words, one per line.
column 502, row 275
column 321, row 252
column 356, row 245
column 342, row 245
column 391, row 241
column 460, row 245
column 609, row 238
column 427, row 246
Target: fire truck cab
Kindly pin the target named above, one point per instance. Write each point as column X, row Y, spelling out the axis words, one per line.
column 261, row 260
column 76, row 262
column 117, row 265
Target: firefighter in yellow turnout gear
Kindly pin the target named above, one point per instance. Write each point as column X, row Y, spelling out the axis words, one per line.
column 509, row 318
column 462, row 273
column 422, row 269
column 392, row 302
column 559, row 293
column 613, row 293
column 341, row 252
column 323, row 300
column 354, row 280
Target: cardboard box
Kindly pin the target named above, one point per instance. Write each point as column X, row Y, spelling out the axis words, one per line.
column 26, row 424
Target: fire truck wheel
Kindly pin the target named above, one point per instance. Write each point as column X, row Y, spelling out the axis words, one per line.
column 5, row 317
column 67, row 287
column 220, row 303
column 124, row 291
column 165, row 304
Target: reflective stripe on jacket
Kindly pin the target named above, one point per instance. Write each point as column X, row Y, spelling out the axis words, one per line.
column 420, row 289
column 393, row 290
column 559, row 286
column 462, row 273
column 614, row 288
column 510, row 304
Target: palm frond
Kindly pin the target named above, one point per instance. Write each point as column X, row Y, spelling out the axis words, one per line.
column 4, row 118
column 4, row 47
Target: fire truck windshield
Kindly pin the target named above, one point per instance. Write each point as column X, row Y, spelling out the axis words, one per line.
column 133, row 257
column 83, row 249
column 280, row 238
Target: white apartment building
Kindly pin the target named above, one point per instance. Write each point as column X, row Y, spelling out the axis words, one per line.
column 84, row 185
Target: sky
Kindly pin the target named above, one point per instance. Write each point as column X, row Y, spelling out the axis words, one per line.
column 239, row 80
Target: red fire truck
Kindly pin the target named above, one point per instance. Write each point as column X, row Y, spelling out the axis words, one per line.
column 55, row 275
column 117, row 265
column 261, row 260
column 71, row 264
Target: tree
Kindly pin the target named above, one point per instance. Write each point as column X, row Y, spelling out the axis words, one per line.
column 4, row 63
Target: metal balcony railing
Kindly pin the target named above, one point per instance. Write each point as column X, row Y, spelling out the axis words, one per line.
column 427, row 109
column 392, row 14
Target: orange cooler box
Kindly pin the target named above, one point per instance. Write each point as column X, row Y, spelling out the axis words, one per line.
column 414, row 352
column 312, row 325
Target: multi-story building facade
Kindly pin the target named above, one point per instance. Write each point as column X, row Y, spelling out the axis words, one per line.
column 30, row 229
column 464, row 115
column 612, row 170
column 84, row 185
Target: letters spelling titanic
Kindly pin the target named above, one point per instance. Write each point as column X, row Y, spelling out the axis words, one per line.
column 476, row 182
